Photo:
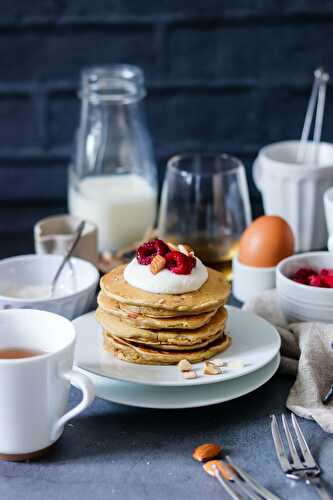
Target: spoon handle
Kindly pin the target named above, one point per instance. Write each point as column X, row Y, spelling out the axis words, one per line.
column 68, row 255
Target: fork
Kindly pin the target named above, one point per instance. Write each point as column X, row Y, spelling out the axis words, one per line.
column 301, row 466
column 229, row 475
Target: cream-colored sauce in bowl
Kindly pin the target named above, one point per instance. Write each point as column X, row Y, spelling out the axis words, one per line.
column 36, row 292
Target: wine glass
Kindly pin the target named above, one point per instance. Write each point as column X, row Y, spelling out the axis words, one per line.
column 205, row 203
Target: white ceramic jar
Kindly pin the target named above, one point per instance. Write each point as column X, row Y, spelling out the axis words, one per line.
column 295, row 191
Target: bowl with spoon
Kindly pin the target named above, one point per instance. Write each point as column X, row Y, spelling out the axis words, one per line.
column 26, row 282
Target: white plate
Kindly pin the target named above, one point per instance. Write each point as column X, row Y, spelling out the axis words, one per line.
column 147, row 396
column 254, row 341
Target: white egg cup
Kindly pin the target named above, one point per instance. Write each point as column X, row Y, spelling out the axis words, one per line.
column 249, row 281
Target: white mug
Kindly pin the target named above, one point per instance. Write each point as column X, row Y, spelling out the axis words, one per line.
column 34, row 390
column 295, row 190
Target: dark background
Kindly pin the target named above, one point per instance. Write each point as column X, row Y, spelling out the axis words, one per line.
column 222, row 75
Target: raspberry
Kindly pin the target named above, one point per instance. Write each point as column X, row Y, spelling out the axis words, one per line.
column 179, row 263
column 148, row 250
column 314, row 280
column 303, row 274
column 326, row 276
column 323, row 279
column 193, row 261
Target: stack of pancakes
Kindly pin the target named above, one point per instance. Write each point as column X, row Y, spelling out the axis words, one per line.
column 150, row 328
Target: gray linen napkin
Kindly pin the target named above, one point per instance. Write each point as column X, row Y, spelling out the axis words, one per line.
column 307, row 353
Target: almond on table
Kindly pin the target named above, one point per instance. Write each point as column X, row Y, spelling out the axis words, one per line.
column 213, row 465
column 206, row 451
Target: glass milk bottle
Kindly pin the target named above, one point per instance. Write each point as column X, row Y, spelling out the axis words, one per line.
column 112, row 180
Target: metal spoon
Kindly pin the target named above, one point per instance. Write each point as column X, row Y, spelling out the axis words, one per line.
column 317, row 98
column 67, row 256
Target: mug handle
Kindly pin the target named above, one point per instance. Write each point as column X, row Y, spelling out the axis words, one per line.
column 83, row 383
column 257, row 173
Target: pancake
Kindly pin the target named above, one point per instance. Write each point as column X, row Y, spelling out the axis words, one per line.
column 142, row 321
column 170, row 347
column 133, row 353
column 121, row 329
column 151, row 312
column 212, row 295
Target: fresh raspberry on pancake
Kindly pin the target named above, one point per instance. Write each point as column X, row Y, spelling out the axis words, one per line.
column 179, row 263
column 148, row 250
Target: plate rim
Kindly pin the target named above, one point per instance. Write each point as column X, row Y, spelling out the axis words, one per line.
column 276, row 360
column 184, row 383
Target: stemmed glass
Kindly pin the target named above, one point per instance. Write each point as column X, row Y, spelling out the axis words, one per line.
column 205, row 203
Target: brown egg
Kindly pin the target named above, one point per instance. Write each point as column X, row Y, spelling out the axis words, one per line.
column 266, row 241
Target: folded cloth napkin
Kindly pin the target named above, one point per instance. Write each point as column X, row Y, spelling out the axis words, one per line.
column 307, row 353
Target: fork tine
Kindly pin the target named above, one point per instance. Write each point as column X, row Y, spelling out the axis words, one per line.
column 226, row 485
column 309, row 461
column 279, row 448
column 242, row 485
column 257, row 487
column 297, row 463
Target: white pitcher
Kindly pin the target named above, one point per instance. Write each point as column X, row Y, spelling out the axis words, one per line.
column 295, row 191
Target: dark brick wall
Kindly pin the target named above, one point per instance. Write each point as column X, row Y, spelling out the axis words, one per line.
column 222, row 75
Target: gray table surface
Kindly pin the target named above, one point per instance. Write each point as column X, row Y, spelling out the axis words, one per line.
column 114, row 451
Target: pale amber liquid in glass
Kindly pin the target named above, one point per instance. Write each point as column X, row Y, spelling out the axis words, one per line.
column 216, row 253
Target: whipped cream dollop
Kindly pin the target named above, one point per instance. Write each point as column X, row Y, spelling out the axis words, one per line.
column 165, row 281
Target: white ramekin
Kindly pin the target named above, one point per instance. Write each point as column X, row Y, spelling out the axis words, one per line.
column 302, row 302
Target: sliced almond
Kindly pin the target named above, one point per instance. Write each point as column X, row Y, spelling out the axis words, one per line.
column 157, row 264
column 189, row 374
column 206, row 451
column 185, row 366
column 172, row 247
column 211, row 369
column 186, row 249
column 219, row 362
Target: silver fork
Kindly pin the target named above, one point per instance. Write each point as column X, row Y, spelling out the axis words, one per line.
column 301, row 466
column 247, row 486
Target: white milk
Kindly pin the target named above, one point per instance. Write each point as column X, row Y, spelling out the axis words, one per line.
column 122, row 207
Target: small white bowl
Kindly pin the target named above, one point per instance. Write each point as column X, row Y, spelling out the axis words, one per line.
column 302, row 302
column 78, row 282
column 248, row 281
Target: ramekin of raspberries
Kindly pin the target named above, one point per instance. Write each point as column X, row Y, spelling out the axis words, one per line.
column 175, row 261
column 310, row 277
